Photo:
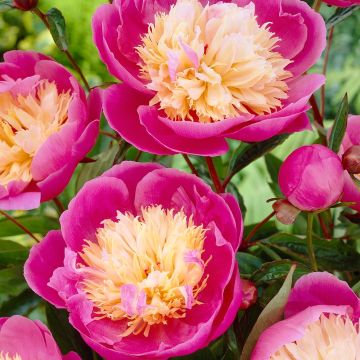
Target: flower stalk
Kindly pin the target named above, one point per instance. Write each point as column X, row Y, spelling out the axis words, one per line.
column 309, row 240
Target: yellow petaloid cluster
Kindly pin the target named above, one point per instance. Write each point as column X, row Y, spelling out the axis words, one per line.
column 211, row 63
column 329, row 338
column 6, row 356
column 145, row 269
column 25, row 124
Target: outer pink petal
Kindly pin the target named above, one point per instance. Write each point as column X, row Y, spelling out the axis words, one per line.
column 71, row 356
column 44, row 258
column 22, row 201
column 290, row 330
column 351, row 192
column 121, row 109
column 149, row 117
column 321, row 288
column 99, row 199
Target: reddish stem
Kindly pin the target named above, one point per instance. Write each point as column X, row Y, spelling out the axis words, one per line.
column 323, row 227
column 214, row 176
column 138, row 156
column 190, row 164
column 59, row 205
column 108, row 134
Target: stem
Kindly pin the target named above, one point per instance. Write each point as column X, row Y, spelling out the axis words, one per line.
column 317, row 5
column 214, row 176
column 190, row 164
column 323, row 227
column 256, row 229
column 227, row 181
column 138, row 156
column 43, row 18
column 108, row 134
column 317, row 115
column 326, row 60
column 22, row 227
column 59, row 205
column 309, row 238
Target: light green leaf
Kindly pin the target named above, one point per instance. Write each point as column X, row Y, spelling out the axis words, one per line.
column 340, row 124
column 57, row 28
column 12, row 253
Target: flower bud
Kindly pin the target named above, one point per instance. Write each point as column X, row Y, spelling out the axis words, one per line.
column 25, row 5
column 249, row 293
column 351, row 160
column 312, row 178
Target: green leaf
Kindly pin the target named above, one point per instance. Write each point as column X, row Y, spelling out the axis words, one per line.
column 340, row 124
column 356, row 288
column 265, row 231
column 104, row 161
column 36, row 224
column 278, row 269
column 340, row 15
column 248, row 263
column 12, row 283
column 65, row 335
column 330, row 255
column 273, row 166
column 6, row 5
column 232, row 189
column 247, row 153
column 57, row 28
column 12, row 253
column 21, row 304
column 271, row 314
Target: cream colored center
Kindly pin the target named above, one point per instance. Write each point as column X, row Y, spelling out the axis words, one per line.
column 214, row 62
column 145, row 269
column 6, row 356
column 330, row 338
column 25, row 124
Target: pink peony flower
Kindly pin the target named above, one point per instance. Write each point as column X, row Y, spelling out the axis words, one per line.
column 46, row 127
column 24, row 339
column 202, row 71
column 312, row 178
column 321, row 317
column 144, row 263
column 342, row 3
column 352, row 138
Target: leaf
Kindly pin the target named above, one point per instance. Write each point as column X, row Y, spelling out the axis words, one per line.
column 104, row 161
column 57, row 28
column 248, row 263
column 340, row 15
column 232, row 189
column 12, row 283
column 6, row 5
column 247, row 153
column 65, row 335
column 199, row 355
column 356, row 288
column 330, row 255
column 12, row 253
column 340, row 124
column 276, row 270
column 273, row 166
column 21, row 304
column 272, row 313
column 36, row 224
column 265, row 231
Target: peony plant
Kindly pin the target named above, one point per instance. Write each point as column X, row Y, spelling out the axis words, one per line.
column 195, row 196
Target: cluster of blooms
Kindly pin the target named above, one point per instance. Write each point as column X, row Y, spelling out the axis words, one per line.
column 144, row 261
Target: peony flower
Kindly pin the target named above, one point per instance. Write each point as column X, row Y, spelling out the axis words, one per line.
column 312, row 178
column 321, row 321
column 46, row 127
column 24, row 339
column 351, row 138
column 144, row 263
column 25, row 5
column 198, row 72
column 342, row 3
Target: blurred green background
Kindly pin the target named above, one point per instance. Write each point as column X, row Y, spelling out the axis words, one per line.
column 20, row 30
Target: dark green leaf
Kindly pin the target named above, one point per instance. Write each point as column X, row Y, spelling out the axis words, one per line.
column 12, row 253
column 36, row 224
column 271, row 314
column 104, row 161
column 232, row 189
column 199, row 355
column 265, row 231
column 65, row 335
column 330, row 255
column 273, row 166
column 57, row 28
column 340, row 15
column 12, row 283
column 247, row 153
column 356, row 288
column 248, row 263
column 278, row 269
column 21, row 304
column 340, row 124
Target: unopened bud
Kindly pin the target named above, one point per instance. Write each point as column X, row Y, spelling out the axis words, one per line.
column 285, row 212
column 249, row 293
column 351, row 160
column 25, row 5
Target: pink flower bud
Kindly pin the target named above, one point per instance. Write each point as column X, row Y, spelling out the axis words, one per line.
column 312, row 178
column 249, row 293
column 25, row 5
column 351, row 160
